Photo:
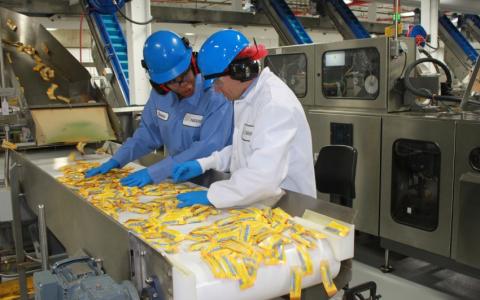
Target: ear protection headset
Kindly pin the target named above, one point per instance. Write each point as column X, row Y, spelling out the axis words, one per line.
column 244, row 69
column 162, row 88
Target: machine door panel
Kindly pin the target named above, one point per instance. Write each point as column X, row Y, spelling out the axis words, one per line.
column 363, row 133
column 417, row 180
column 466, row 220
column 360, row 74
column 295, row 65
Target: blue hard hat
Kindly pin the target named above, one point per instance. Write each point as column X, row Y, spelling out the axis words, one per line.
column 166, row 56
column 219, row 50
column 208, row 83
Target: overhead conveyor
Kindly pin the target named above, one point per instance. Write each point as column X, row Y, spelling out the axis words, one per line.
column 288, row 27
column 344, row 19
column 460, row 55
column 110, row 46
column 471, row 24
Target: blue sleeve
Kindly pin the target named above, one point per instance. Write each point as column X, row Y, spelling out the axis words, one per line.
column 145, row 139
column 215, row 134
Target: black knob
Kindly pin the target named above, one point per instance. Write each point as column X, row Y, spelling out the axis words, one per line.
column 474, row 159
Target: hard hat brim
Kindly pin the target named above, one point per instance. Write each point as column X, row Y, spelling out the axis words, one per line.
column 208, row 83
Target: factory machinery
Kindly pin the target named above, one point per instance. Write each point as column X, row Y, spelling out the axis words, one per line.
column 459, row 54
column 58, row 105
column 417, row 171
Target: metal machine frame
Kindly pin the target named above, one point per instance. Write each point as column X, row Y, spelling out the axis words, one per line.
column 388, row 99
column 372, row 128
column 81, row 226
column 442, row 134
column 309, row 52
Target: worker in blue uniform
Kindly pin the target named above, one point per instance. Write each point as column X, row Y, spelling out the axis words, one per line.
column 182, row 114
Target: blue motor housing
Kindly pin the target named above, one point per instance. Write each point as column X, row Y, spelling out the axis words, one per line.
column 80, row 279
column 106, row 6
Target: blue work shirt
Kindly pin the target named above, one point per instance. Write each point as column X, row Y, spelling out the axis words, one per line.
column 189, row 128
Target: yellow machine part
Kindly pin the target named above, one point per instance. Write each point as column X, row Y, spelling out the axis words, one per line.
column 10, row 290
column 72, row 125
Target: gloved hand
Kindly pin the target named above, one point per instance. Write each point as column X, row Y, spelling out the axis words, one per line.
column 139, row 178
column 104, row 168
column 191, row 198
column 186, row 170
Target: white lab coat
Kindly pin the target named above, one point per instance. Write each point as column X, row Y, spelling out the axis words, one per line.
column 271, row 147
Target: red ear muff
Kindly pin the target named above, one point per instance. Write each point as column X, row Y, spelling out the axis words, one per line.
column 160, row 88
column 164, row 88
column 194, row 64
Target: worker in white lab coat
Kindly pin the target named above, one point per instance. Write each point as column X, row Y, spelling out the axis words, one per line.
column 272, row 144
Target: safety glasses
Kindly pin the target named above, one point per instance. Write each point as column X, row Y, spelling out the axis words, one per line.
column 180, row 78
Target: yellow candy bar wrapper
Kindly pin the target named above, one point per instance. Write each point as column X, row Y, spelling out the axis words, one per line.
column 305, row 260
column 280, row 252
column 245, row 280
column 228, row 267
column 195, row 219
column 228, row 235
column 252, row 266
column 280, row 215
column 152, row 235
column 297, row 228
column 303, row 241
column 263, row 235
column 197, row 238
column 173, row 235
column 245, row 233
column 296, row 283
column 198, row 246
column 81, row 147
column 72, row 157
column 180, row 221
column 134, row 222
column 337, row 228
column 8, row 145
column 214, row 266
column 171, row 249
column 315, row 234
column 200, row 209
column 238, row 246
column 271, row 241
column 327, row 279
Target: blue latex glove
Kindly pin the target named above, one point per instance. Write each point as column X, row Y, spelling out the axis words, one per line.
column 104, row 168
column 139, row 178
column 191, row 198
column 186, row 170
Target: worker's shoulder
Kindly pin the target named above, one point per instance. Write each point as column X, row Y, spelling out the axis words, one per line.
column 213, row 99
column 277, row 93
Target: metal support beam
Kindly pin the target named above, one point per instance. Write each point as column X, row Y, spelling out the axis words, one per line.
column 205, row 16
column 136, row 36
column 16, row 197
column 429, row 21
column 237, row 5
column 372, row 12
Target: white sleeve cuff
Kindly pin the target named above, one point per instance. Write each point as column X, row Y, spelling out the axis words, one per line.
column 207, row 163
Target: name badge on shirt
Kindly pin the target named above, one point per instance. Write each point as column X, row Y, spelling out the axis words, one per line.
column 192, row 120
column 247, row 132
column 162, row 115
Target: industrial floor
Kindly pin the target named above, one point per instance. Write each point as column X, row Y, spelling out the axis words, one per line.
column 412, row 279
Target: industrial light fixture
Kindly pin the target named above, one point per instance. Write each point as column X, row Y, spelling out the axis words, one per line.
column 189, row 33
column 348, row 1
column 407, row 14
column 51, row 29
